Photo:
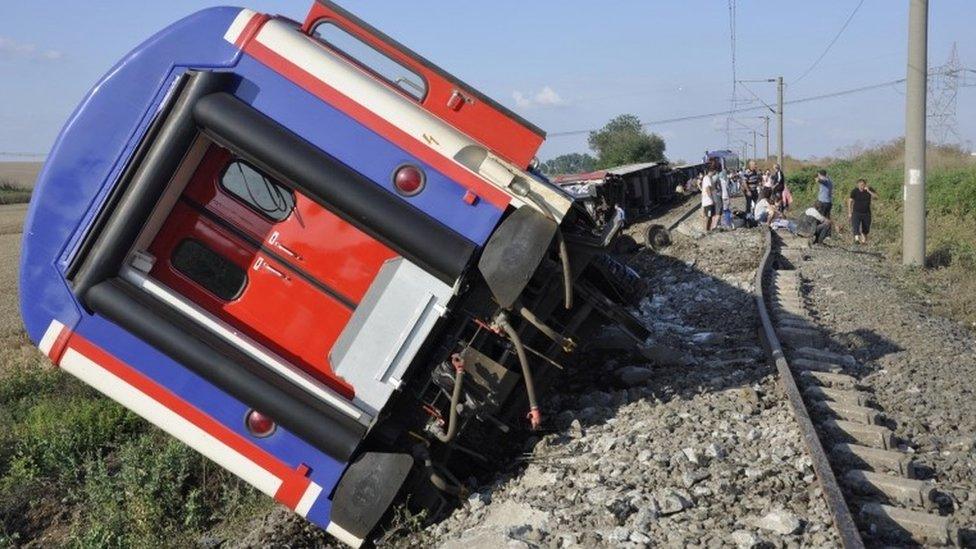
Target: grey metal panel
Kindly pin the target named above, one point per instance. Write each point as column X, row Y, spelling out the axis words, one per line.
column 631, row 168
column 384, row 334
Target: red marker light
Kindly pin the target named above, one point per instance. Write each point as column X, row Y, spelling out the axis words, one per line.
column 259, row 424
column 409, row 180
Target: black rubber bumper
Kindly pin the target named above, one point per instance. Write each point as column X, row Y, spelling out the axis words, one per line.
column 142, row 183
column 240, row 376
column 298, row 164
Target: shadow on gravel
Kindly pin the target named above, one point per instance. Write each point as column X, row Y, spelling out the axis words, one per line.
column 635, row 453
column 696, row 449
column 867, row 345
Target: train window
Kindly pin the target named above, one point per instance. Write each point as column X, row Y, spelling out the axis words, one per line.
column 372, row 59
column 258, row 191
column 209, row 269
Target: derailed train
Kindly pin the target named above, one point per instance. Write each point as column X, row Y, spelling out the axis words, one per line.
column 313, row 256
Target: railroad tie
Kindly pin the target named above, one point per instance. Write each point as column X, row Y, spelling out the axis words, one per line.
column 874, row 459
column 897, row 489
column 848, row 412
column 826, row 356
column 796, row 323
column 868, row 435
column 797, row 337
column 828, row 379
column 816, row 365
column 856, row 398
column 785, row 316
column 789, row 302
column 892, row 522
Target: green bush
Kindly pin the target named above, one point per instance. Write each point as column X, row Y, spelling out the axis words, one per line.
column 57, row 436
column 950, row 200
column 157, row 492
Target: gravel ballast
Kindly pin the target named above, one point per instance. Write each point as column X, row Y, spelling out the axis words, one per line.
column 705, row 454
column 919, row 366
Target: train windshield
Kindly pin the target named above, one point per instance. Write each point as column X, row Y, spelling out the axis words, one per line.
column 371, row 59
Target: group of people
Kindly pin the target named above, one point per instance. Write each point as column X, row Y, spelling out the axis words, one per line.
column 766, row 195
column 768, row 198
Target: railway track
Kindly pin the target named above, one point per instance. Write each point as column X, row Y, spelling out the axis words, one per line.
column 871, row 486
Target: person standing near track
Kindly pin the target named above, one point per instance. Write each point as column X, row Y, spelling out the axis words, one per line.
column 725, row 211
column 779, row 180
column 750, row 185
column 709, row 215
column 825, row 194
column 859, row 210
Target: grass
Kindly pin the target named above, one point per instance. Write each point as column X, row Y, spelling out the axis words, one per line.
column 948, row 284
column 79, row 469
column 11, row 193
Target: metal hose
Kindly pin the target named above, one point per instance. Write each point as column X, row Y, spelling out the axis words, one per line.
column 452, row 421
column 567, row 274
column 442, row 484
column 534, row 416
column 566, row 343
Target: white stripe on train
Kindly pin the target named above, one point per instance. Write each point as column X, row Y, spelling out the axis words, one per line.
column 50, row 336
column 114, row 387
column 238, row 26
column 363, row 88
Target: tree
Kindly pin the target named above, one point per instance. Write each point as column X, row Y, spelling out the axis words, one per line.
column 569, row 163
column 624, row 141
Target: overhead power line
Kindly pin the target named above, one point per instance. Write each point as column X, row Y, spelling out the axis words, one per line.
column 747, row 109
column 830, row 45
column 23, row 154
column 748, row 89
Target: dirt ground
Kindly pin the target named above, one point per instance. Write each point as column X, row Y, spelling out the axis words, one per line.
column 22, row 174
column 11, row 220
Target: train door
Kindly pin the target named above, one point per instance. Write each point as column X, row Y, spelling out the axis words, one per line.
column 267, row 261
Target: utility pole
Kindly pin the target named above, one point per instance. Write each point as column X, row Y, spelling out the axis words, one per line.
column 779, row 111
column 755, row 151
column 766, row 118
column 913, row 235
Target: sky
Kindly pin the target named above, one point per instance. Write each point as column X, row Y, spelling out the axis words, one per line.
column 565, row 65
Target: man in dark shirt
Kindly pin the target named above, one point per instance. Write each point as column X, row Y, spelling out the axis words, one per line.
column 779, row 180
column 750, row 185
column 859, row 211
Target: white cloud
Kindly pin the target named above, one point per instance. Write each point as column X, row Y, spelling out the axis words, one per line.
column 521, row 100
column 546, row 97
column 549, row 98
column 12, row 49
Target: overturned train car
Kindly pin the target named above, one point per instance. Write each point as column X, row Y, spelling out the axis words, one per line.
column 313, row 256
column 632, row 192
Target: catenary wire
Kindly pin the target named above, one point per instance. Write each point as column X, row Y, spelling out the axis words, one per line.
column 830, row 45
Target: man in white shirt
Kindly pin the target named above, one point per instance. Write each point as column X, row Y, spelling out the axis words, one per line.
column 814, row 225
column 709, row 215
column 724, row 185
column 760, row 212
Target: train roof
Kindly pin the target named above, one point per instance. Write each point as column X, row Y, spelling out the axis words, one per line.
column 626, row 169
column 504, row 132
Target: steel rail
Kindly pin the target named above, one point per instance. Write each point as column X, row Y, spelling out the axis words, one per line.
column 850, row 537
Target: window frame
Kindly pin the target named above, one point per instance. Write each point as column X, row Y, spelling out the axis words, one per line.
column 352, row 59
column 190, row 240
column 248, row 205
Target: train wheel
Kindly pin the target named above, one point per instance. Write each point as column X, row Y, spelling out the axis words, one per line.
column 657, row 237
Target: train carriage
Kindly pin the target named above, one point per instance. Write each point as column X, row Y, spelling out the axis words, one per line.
column 311, row 255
